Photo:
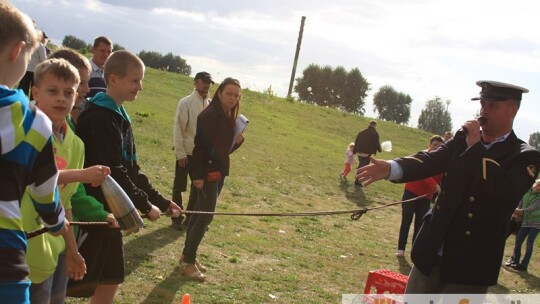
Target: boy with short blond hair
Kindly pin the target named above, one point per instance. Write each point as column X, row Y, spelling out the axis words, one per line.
column 56, row 86
column 25, row 155
column 105, row 128
column 54, row 90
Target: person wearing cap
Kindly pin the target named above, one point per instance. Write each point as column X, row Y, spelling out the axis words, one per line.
column 184, row 129
column 486, row 170
column 38, row 56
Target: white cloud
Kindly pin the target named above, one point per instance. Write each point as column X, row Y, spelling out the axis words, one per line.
column 424, row 48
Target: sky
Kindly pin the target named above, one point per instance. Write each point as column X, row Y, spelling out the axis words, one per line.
column 423, row 48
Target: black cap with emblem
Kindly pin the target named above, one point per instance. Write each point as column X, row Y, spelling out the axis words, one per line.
column 499, row 91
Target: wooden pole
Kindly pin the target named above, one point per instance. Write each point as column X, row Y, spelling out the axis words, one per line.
column 298, row 44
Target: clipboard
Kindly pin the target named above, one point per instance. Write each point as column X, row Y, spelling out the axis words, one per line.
column 240, row 126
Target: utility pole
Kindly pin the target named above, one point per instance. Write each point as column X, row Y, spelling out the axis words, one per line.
column 298, row 44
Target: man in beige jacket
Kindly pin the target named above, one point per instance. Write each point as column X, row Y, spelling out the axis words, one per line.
column 185, row 127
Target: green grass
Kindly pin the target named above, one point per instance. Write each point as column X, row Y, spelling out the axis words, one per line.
column 289, row 163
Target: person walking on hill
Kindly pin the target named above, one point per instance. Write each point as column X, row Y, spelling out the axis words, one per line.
column 366, row 144
column 349, row 160
column 184, row 129
column 486, row 170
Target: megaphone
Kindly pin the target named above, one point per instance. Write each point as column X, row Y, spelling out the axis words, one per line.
column 121, row 206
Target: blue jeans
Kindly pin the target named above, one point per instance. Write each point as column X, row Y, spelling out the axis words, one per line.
column 207, row 200
column 416, row 209
column 523, row 233
column 53, row 289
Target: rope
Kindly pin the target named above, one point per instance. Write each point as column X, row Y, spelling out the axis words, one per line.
column 356, row 214
column 34, row 233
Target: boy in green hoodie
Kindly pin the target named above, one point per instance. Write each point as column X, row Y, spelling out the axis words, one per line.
column 105, row 128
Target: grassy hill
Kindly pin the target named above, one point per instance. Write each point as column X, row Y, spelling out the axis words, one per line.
column 289, row 163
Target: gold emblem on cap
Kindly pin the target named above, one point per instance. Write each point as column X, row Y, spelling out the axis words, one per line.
column 531, row 170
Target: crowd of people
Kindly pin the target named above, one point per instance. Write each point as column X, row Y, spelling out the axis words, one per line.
column 74, row 131
column 67, row 129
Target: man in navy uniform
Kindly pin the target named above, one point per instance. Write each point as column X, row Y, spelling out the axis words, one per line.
column 486, row 170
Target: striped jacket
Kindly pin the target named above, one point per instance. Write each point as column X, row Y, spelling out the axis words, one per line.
column 26, row 159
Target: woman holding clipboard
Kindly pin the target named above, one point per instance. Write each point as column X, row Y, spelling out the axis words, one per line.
column 216, row 130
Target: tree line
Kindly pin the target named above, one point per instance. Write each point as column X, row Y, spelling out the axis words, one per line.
column 347, row 90
column 169, row 62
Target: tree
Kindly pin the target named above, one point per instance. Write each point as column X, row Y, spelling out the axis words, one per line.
column 435, row 118
column 337, row 81
column 117, row 47
column 534, row 140
column 392, row 105
column 334, row 88
column 355, row 92
column 306, row 85
column 323, row 94
column 75, row 43
column 168, row 62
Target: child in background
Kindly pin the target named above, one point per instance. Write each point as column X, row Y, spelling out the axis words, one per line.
column 349, row 160
column 26, row 157
column 529, row 211
column 105, row 128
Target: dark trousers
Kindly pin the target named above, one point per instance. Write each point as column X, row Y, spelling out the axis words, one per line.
column 417, row 209
column 180, row 185
column 529, row 233
column 207, row 200
column 362, row 161
column 26, row 84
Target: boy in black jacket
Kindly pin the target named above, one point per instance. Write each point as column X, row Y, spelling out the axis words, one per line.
column 105, row 128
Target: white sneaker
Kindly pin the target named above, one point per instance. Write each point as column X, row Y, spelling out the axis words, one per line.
column 400, row 253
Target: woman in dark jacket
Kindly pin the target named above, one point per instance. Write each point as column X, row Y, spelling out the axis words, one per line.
column 214, row 141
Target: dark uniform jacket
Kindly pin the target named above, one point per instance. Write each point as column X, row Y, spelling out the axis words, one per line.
column 479, row 191
column 367, row 141
column 213, row 142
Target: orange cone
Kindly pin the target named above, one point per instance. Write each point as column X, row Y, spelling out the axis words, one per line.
column 186, row 299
